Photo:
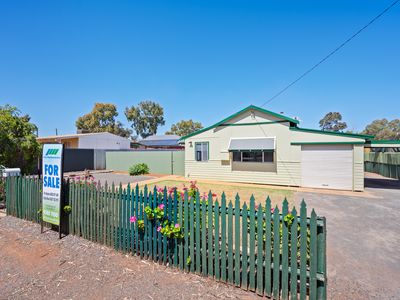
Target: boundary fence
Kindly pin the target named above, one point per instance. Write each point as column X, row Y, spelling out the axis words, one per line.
column 384, row 163
column 258, row 248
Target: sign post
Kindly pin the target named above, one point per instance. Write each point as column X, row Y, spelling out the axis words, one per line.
column 52, row 173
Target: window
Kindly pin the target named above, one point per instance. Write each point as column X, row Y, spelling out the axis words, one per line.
column 260, row 156
column 201, row 151
column 252, row 156
column 268, row 156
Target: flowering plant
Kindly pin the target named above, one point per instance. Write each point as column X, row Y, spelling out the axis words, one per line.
column 157, row 214
column 87, row 179
column 171, row 230
column 140, row 223
column 159, row 211
column 149, row 212
column 191, row 190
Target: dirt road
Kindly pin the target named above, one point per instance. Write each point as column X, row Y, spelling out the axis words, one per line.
column 39, row 266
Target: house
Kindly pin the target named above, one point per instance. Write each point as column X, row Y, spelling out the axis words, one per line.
column 169, row 141
column 98, row 140
column 255, row 145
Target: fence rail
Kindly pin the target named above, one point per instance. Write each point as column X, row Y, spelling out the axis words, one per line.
column 384, row 163
column 273, row 253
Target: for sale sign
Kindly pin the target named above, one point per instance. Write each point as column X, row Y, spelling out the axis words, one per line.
column 52, row 182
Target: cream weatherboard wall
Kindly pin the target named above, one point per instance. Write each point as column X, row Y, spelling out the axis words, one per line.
column 286, row 168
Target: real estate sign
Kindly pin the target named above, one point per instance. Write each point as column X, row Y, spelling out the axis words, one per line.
column 52, row 182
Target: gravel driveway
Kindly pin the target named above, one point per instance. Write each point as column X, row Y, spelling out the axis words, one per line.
column 363, row 240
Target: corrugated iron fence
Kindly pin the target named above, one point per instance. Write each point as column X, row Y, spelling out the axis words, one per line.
column 258, row 248
column 384, row 163
column 159, row 161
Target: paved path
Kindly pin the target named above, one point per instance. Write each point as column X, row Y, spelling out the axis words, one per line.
column 40, row 266
column 363, row 241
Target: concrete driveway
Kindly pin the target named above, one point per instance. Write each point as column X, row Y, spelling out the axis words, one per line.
column 363, row 240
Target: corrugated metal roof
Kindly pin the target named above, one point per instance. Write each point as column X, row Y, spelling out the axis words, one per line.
column 74, row 135
column 162, row 137
column 160, row 140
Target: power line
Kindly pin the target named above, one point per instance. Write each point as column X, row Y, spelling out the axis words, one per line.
column 330, row 54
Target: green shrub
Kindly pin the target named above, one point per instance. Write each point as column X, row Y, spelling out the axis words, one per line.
column 139, row 169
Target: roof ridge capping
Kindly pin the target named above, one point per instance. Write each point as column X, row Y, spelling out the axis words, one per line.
column 253, row 107
column 354, row 135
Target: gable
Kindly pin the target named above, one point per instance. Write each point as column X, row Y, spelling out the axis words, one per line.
column 248, row 116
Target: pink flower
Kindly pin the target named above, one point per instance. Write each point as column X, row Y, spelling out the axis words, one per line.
column 177, row 225
column 161, row 206
column 132, row 219
column 158, row 228
column 272, row 210
column 185, row 188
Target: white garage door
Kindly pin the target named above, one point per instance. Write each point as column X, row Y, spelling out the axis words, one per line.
column 327, row 166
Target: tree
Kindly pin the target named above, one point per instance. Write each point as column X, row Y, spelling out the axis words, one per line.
column 332, row 122
column 383, row 129
column 145, row 117
column 102, row 119
column 183, row 127
column 18, row 145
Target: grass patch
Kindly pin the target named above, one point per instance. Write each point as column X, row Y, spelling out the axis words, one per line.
column 245, row 192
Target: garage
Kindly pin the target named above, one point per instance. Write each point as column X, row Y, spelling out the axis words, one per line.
column 327, row 166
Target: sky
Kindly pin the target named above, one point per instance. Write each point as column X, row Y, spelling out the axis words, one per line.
column 201, row 60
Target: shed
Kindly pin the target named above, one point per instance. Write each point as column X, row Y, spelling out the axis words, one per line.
column 167, row 141
column 97, row 140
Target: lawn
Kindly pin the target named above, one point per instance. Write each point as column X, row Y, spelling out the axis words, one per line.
column 245, row 192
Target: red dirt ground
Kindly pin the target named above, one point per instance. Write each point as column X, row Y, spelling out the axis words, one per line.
column 38, row 266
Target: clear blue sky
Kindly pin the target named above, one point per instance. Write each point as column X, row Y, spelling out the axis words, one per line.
column 199, row 59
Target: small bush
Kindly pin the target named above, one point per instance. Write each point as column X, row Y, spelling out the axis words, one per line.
column 139, row 169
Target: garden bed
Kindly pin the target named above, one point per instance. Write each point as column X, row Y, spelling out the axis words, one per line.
column 230, row 190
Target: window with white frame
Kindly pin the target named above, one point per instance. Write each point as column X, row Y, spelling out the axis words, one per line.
column 260, row 156
column 201, row 151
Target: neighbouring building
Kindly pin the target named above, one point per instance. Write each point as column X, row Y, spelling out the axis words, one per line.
column 168, row 141
column 382, row 146
column 100, row 140
column 255, row 145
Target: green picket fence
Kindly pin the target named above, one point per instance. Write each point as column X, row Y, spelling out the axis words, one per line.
column 384, row 163
column 273, row 253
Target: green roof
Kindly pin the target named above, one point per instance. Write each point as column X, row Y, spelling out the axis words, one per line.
column 385, row 141
column 353, row 135
column 293, row 126
column 251, row 107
